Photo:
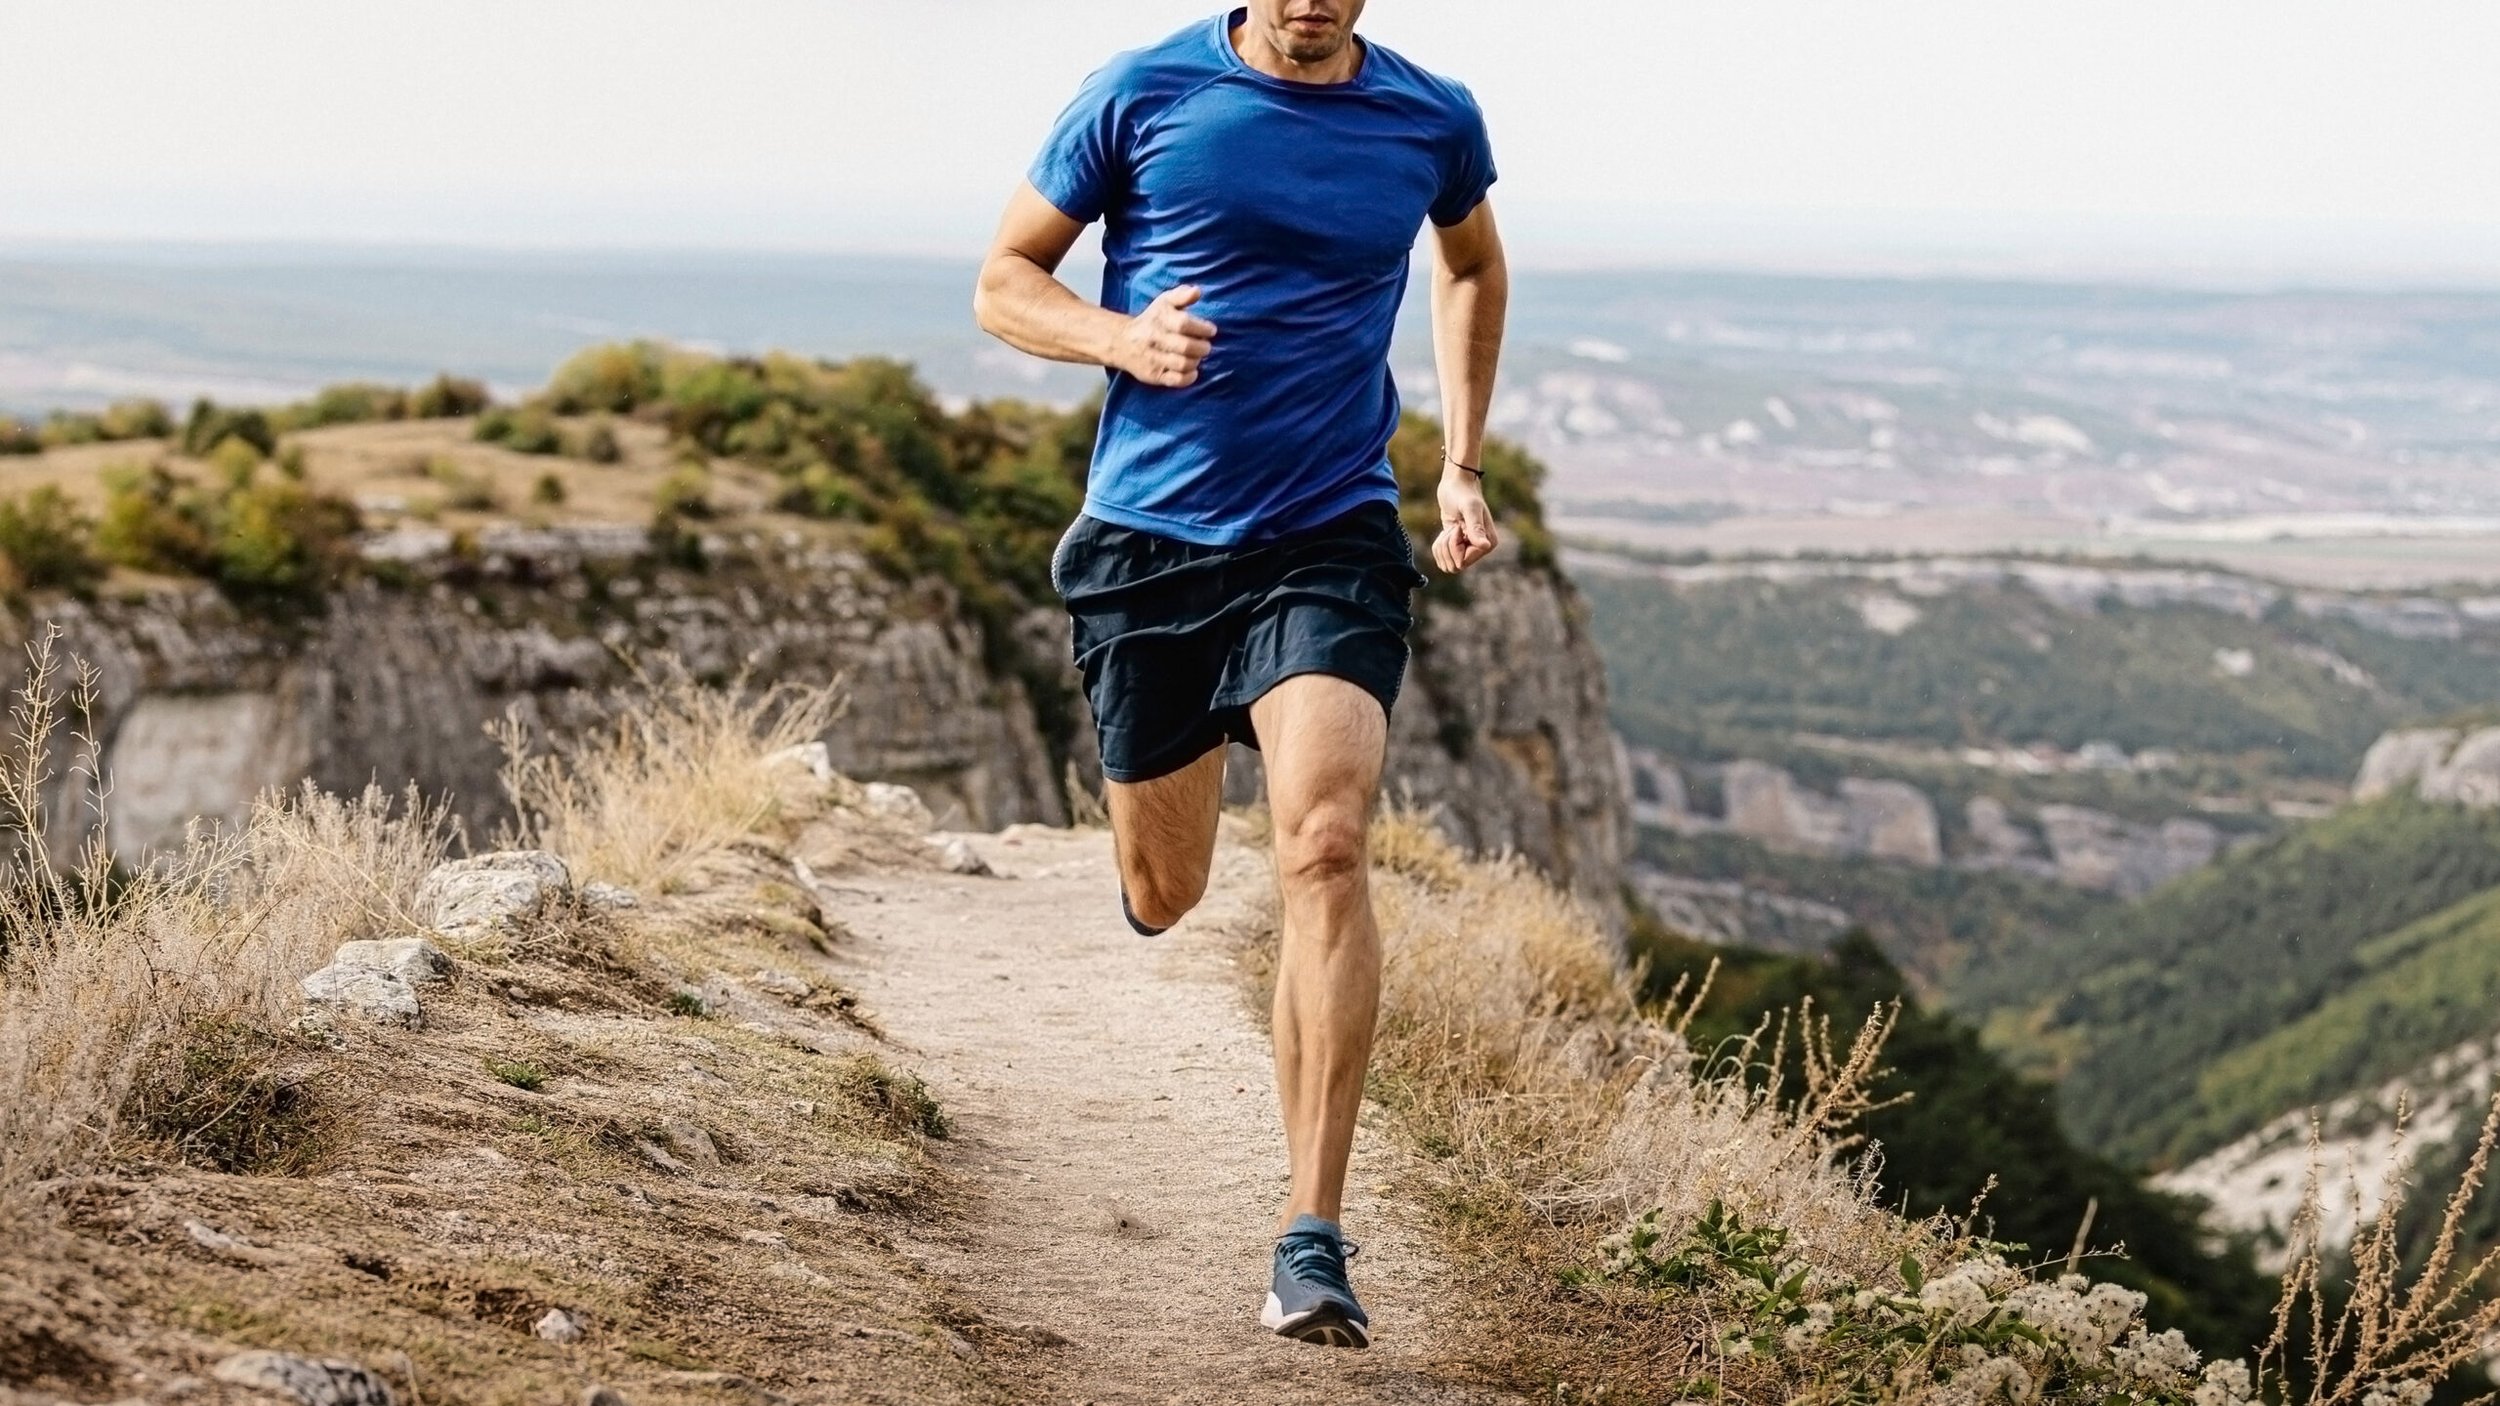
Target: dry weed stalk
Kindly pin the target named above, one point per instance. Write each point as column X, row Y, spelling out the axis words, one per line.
column 107, row 975
column 1522, row 1040
column 677, row 773
column 2396, row 1333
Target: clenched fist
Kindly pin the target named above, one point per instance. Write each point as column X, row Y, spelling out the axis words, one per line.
column 1163, row 345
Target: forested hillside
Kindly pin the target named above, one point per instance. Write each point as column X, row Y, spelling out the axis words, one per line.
column 2343, row 950
column 1743, row 667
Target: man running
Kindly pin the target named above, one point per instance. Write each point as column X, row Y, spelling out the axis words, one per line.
column 1239, row 572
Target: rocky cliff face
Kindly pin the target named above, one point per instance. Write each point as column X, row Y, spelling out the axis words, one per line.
column 2450, row 764
column 200, row 707
column 1501, row 732
column 1501, row 728
column 1896, row 821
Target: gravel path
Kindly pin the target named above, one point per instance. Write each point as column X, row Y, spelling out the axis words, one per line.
column 1114, row 1106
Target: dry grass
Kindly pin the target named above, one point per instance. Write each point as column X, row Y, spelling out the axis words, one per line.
column 1555, row 1110
column 680, row 773
column 1514, row 1052
column 135, row 995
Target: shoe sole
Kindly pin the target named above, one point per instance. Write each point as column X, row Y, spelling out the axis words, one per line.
column 1324, row 1326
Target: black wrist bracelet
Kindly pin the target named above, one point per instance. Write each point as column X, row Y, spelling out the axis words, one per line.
column 1462, row 468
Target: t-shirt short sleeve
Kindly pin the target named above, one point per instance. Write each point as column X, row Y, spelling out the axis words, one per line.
column 1466, row 166
column 1079, row 167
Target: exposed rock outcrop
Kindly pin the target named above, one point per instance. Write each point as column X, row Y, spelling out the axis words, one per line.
column 1501, row 731
column 1878, row 819
column 2440, row 763
column 200, row 707
column 2095, row 850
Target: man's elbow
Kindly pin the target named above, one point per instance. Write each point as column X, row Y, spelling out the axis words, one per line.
column 985, row 299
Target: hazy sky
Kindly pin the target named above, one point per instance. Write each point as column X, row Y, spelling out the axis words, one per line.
column 2225, row 136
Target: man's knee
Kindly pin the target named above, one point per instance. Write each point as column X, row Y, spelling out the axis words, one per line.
column 1324, row 847
column 1162, row 895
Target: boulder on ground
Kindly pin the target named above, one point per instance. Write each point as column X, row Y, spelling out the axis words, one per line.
column 379, row 979
column 490, row 890
column 312, row 1381
column 814, row 758
column 957, row 856
column 610, row 896
column 900, row 804
column 412, row 959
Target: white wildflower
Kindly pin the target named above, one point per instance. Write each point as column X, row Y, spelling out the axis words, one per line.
column 2225, row 1384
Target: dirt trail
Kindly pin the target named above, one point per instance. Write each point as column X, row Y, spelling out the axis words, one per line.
column 1114, row 1104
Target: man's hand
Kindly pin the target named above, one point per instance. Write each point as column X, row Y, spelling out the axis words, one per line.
column 1163, row 345
column 1467, row 535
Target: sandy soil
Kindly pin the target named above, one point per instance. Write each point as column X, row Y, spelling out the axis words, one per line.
column 1114, row 1105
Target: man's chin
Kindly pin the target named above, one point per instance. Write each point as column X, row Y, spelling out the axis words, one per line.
column 1307, row 49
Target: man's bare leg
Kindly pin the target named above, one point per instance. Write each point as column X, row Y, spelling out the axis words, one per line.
column 1163, row 832
column 1325, row 740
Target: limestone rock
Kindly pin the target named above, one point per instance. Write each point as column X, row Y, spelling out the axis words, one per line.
column 314, row 1382
column 1883, row 819
column 1892, row 820
column 2471, row 776
column 957, row 856
column 412, row 959
column 2096, row 850
column 690, row 1142
column 813, row 758
column 900, row 804
column 597, row 1395
column 610, row 896
column 2403, row 758
column 375, row 995
column 560, row 1326
column 490, row 890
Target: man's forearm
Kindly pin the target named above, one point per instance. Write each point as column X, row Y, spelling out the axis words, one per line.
column 1027, row 307
column 1469, row 310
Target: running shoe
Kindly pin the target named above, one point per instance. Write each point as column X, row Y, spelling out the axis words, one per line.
column 1311, row 1300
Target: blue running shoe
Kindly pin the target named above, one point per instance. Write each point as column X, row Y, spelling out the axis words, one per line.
column 1311, row 1301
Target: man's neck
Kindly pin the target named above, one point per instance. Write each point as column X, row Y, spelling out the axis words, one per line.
column 1252, row 44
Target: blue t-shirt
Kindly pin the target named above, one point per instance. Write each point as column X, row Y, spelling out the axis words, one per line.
column 1294, row 208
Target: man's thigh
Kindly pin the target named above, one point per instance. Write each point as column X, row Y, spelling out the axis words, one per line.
column 1325, row 740
column 1166, row 826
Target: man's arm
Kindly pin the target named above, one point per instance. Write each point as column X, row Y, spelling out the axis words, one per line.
column 1470, row 303
column 1021, row 301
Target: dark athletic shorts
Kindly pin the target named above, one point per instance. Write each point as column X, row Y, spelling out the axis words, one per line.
column 1176, row 641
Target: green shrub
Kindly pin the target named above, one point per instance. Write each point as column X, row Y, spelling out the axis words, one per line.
column 617, row 378
column 63, row 428
column 599, row 444
column 549, row 490
column 463, row 491
column 351, row 403
column 273, row 543
column 212, row 424
column 234, row 462
column 817, row 491
column 528, row 429
column 127, row 419
column 685, row 493
column 519, row 1073
column 136, row 419
column 279, row 543
column 706, row 400
column 446, row 397
column 47, row 543
column 18, row 437
column 154, row 521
